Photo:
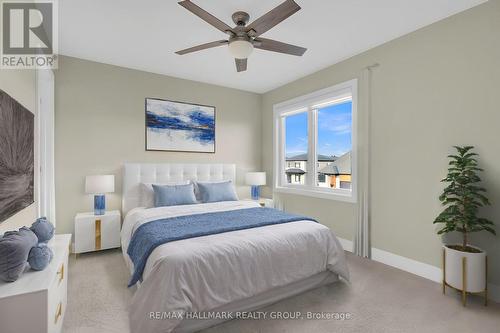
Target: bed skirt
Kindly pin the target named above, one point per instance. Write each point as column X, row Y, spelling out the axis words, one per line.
column 259, row 301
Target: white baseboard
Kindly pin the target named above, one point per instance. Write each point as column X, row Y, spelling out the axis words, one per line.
column 346, row 244
column 408, row 265
column 427, row 271
column 424, row 270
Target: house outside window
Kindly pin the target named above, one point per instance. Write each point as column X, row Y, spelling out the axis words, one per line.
column 315, row 143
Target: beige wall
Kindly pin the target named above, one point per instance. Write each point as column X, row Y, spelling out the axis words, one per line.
column 21, row 85
column 435, row 88
column 100, row 125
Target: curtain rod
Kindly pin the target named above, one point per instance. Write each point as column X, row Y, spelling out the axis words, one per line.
column 375, row 65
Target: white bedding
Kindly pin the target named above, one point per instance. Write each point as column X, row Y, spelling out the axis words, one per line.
column 204, row 273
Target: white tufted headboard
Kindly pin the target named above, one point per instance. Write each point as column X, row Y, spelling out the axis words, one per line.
column 136, row 173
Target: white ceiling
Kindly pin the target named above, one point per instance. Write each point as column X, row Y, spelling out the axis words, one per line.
column 145, row 34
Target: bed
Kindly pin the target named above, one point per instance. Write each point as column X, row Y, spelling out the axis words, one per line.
column 194, row 283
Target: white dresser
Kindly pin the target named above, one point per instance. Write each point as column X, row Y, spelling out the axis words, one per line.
column 36, row 302
column 97, row 232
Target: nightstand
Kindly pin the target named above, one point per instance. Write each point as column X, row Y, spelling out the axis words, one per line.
column 264, row 202
column 97, row 232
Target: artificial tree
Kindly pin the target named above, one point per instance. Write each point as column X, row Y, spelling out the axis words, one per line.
column 463, row 196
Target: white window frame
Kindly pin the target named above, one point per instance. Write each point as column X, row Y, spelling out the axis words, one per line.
column 309, row 103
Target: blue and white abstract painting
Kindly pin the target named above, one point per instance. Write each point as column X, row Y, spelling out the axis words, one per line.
column 176, row 126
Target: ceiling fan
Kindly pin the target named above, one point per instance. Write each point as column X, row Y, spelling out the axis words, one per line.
column 243, row 38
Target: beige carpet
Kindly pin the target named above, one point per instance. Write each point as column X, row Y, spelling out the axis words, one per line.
column 380, row 299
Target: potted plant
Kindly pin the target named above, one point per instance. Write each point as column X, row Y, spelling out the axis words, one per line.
column 464, row 265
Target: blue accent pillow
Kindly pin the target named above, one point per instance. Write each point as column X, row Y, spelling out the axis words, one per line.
column 214, row 192
column 43, row 229
column 40, row 257
column 14, row 249
column 173, row 195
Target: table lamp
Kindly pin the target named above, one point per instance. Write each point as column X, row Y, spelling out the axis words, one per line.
column 256, row 180
column 99, row 185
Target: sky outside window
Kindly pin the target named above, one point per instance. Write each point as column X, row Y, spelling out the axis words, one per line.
column 334, row 131
column 296, row 134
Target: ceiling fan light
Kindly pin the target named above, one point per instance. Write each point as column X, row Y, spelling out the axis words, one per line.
column 240, row 49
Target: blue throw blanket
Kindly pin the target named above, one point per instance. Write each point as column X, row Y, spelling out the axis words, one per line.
column 155, row 233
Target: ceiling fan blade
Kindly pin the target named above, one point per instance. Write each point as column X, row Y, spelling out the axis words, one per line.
column 241, row 64
column 202, row 47
column 272, row 18
column 206, row 16
column 275, row 46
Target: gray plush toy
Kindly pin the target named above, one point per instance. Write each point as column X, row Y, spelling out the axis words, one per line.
column 43, row 229
column 15, row 247
column 40, row 256
column 25, row 245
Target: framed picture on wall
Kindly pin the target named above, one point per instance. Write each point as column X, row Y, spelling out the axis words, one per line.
column 179, row 126
column 17, row 157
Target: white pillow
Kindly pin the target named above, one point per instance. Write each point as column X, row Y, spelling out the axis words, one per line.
column 148, row 194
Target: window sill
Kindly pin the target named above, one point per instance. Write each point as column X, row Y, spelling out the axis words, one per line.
column 315, row 193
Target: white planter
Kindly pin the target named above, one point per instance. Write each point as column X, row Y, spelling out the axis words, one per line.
column 475, row 269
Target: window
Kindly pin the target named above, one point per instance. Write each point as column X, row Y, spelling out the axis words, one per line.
column 296, row 144
column 321, row 178
column 317, row 133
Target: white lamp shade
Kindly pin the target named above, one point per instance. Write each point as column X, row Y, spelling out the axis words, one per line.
column 255, row 178
column 240, row 49
column 100, row 184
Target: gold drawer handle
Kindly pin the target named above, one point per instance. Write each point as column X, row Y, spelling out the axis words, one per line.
column 60, row 272
column 98, row 236
column 58, row 312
